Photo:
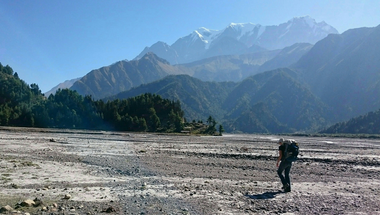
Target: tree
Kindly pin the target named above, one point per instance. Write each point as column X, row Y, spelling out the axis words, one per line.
column 211, row 125
column 209, row 120
column 221, row 130
column 142, row 125
column 35, row 89
column 154, row 121
column 8, row 70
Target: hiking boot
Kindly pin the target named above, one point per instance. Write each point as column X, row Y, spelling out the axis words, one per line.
column 286, row 188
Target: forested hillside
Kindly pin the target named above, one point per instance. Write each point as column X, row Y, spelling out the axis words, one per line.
column 16, row 98
column 24, row 105
column 365, row 124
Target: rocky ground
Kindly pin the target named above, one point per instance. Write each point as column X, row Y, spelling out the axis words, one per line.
column 92, row 172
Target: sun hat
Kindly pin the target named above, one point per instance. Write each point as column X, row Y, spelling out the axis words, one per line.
column 281, row 140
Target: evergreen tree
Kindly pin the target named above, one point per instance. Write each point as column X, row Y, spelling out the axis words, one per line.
column 221, row 130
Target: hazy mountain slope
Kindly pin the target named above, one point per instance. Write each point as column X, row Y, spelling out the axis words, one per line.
column 163, row 49
column 225, row 46
column 198, row 99
column 288, row 101
column 286, row 57
column 64, row 85
column 257, row 119
column 343, row 70
column 228, row 67
column 123, row 75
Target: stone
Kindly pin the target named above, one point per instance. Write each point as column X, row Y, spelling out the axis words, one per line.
column 67, row 196
column 27, row 203
column 6, row 209
column 37, row 202
column 110, row 210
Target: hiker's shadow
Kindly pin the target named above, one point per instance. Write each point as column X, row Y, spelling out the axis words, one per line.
column 266, row 195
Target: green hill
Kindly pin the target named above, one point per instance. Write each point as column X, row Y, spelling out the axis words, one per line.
column 368, row 123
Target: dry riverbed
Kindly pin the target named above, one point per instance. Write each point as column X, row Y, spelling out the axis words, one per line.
column 48, row 171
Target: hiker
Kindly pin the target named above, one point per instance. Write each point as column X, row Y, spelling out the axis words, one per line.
column 284, row 166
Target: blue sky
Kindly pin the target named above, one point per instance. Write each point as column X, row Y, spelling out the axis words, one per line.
column 50, row 41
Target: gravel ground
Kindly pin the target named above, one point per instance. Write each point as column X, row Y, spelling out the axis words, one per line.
column 95, row 172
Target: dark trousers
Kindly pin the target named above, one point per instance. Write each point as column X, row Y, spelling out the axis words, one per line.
column 284, row 167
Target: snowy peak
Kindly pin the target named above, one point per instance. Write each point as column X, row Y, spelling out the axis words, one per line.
column 205, row 35
column 309, row 22
column 251, row 34
column 237, row 38
column 305, row 20
column 244, row 29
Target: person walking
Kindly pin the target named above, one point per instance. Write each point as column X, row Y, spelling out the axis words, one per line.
column 283, row 166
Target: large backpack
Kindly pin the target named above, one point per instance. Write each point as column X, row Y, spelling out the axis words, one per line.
column 291, row 150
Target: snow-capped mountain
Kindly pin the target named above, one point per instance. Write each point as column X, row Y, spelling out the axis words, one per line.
column 240, row 38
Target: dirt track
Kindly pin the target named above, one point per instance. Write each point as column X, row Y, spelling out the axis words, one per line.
column 132, row 173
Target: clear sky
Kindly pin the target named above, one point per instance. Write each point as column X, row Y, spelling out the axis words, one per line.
column 50, row 41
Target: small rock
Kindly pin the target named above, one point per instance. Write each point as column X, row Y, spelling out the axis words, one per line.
column 37, row 202
column 6, row 209
column 110, row 209
column 67, row 196
column 27, row 203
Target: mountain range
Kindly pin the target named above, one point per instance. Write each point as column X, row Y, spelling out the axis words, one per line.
column 301, row 87
column 124, row 75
